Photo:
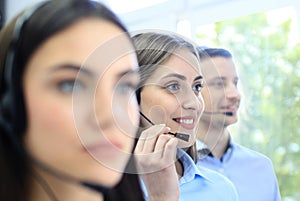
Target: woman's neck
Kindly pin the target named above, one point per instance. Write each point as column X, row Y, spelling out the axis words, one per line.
column 179, row 168
column 49, row 188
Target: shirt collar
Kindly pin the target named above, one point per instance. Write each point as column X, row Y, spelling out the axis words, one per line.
column 229, row 150
column 200, row 145
column 204, row 151
column 190, row 170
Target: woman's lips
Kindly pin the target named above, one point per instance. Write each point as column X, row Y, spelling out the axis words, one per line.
column 186, row 122
column 105, row 149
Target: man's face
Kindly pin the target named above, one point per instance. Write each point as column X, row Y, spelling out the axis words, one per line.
column 220, row 92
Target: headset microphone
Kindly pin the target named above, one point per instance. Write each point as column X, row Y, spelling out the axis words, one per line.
column 224, row 113
column 95, row 187
column 228, row 113
column 182, row 136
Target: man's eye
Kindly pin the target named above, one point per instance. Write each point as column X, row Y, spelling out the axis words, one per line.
column 219, row 84
column 70, row 86
column 235, row 83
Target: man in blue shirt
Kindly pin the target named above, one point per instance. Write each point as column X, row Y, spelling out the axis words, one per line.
column 251, row 172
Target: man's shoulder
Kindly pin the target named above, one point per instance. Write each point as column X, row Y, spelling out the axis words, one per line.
column 250, row 154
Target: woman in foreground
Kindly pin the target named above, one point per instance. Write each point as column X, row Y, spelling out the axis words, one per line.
column 62, row 83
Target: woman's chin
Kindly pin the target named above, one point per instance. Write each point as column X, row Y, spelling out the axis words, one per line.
column 183, row 144
column 109, row 180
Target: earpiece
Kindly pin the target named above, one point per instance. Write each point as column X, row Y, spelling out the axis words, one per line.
column 5, row 112
column 9, row 101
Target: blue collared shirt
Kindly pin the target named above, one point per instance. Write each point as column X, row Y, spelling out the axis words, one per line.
column 251, row 172
column 201, row 183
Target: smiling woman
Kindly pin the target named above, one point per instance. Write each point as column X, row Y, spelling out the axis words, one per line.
column 174, row 81
column 170, row 97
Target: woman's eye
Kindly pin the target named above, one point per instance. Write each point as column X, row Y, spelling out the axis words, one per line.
column 173, row 87
column 198, row 87
column 70, row 86
column 126, row 88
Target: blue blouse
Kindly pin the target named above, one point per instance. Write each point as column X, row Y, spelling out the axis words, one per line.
column 201, row 184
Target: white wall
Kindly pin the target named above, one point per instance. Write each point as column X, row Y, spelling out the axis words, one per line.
column 166, row 14
column 198, row 12
column 15, row 6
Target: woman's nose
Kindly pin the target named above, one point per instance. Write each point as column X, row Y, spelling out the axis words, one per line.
column 192, row 101
column 103, row 107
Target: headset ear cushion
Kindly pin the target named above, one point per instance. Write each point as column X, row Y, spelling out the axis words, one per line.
column 6, row 111
column 6, row 121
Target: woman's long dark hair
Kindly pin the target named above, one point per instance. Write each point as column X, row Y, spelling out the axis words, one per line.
column 19, row 39
column 129, row 186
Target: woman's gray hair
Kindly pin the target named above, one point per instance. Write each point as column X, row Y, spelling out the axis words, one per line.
column 153, row 49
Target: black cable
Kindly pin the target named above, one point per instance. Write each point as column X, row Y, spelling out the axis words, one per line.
column 45, row 186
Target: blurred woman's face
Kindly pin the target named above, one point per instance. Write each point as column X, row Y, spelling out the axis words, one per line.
column 79, row 93
column 172, row 95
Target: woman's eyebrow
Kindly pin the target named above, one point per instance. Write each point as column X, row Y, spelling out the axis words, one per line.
column 79, row 69
column 200, row 77
column 175, row 75
column 128, row 73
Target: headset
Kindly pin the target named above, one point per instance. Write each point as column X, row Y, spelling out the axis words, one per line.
column 8, row 110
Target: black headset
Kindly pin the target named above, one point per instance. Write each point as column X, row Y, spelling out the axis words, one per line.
column 8, row 99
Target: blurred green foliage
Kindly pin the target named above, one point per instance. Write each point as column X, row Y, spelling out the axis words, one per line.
column 269, row 69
